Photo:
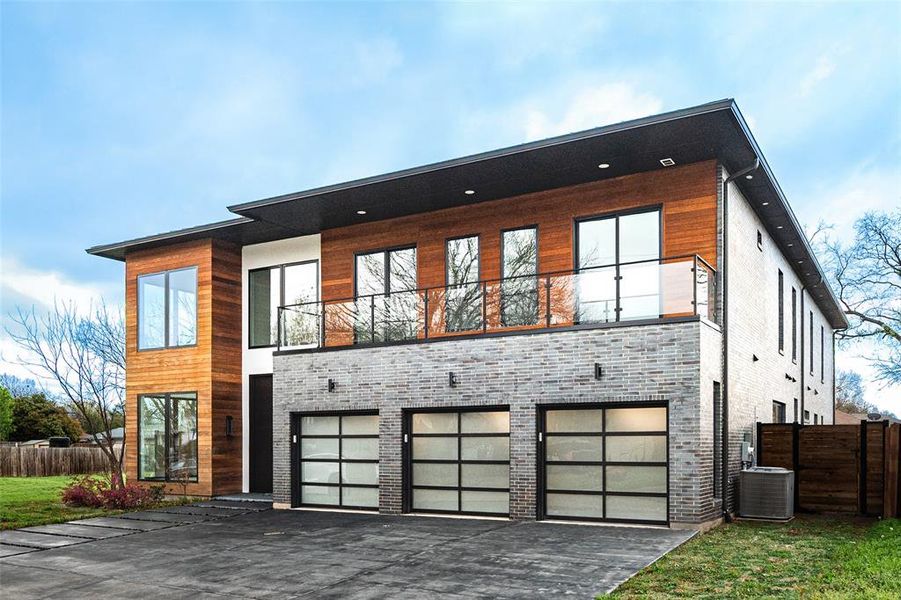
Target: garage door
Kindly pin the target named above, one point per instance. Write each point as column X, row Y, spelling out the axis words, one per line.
column 459, row 462
column 606, row 464
column 339, row 460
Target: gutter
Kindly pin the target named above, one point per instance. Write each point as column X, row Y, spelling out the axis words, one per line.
column 724, row 486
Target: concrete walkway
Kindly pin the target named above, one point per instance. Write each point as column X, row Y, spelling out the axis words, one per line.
column 243, row 550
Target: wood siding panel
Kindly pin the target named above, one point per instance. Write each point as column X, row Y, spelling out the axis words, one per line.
column 687, row 196
column 215, row 358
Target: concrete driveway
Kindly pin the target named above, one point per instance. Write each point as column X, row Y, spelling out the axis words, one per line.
column 243, row 550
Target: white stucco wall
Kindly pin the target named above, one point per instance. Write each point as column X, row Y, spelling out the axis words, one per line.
column 259, row 360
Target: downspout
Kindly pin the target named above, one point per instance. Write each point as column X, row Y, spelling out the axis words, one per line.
column 724, row 485
column 833, row 377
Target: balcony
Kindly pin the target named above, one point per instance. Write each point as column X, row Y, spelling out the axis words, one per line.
column 626, row 293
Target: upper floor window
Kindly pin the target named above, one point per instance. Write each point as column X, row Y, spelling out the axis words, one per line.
column 167, row 309
column 822, row 354
column 794, row 325
column 781, row 312
column 778, row 412
column 810, row 338
column 618, row 262
column 280, row 285
column 463, row 300
column 519, row 289
column 386, row 305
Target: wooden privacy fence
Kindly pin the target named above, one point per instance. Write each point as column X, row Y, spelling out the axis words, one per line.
column 18, row 461
column 838, row 468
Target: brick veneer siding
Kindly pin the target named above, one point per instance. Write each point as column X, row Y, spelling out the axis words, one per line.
column 646, row 363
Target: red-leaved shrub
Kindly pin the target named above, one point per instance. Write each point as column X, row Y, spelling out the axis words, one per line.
column 98, row 491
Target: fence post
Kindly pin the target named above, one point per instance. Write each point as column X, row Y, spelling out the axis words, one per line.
column 796, row 461
column 862, row 481
column 759, row 443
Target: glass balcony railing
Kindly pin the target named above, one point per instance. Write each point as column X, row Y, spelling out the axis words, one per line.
column 638, row 291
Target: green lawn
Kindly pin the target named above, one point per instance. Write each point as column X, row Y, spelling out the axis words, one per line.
column 810, row 557
column 27, row 501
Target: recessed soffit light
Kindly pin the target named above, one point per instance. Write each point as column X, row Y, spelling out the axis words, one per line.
column 603, row 166
column 766, row 203
column 361, row 212
column 749, row 176
column 667, row 162
column 469, row 192
column 778, row 226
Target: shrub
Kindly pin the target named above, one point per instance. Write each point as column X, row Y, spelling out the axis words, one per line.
column 98, row 491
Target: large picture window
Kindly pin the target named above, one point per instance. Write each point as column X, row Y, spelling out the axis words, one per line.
column 167, row 445
column 386, row 298
column 283, row 285
column 619, row 271
column 167, row 309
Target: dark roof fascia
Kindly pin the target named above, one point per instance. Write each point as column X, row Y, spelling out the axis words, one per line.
column 491, row 154
column 796, row 225
column 117, row 250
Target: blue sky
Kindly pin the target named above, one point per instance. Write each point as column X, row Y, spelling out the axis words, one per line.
column 126, row 119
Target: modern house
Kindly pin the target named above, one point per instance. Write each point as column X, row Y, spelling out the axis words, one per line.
column 585, row 327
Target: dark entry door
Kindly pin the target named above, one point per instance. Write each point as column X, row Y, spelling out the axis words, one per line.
column 261, row 433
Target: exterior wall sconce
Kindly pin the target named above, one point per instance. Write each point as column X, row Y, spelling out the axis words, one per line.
column 452, row 379
column 229, row 426
column 598, row 371
column 332, row 384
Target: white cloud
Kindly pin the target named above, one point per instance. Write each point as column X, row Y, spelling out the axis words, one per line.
column 44, row 288
column 821, row 71
column 591, row 107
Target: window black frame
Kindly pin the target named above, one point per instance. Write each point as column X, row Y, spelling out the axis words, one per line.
column 822, row 354
column 618, row 277
column 409, row 459
column 779, row 409
column 281, row 297
column 168, row 434
column 166, row 273
column 478, row 282
column 503, row 278
column 811, row 342
column 297, row 459
column 541, row 461
column 794, row 325
column 387, row 283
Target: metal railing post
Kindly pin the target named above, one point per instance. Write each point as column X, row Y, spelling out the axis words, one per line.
column 322, row 325
column 278, row 325
column 425, row 314
column 372, row 318
column 484, row 306
column 547, row 300
column 694, row 275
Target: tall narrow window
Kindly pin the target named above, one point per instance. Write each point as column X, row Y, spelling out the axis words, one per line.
column 717, row 441
column 796, row 411
column 794, row 325
column 810, row 341
column 167, row 309
column 822, row 354
column 387, row 300
column 619, row 267
column 294, row 286
column 519, row 287
column 463, row 301
column 167, row 445
column 781, row 312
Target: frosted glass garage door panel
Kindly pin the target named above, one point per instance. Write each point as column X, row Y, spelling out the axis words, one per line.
column 485, row 448
column 574, row 421
column 486, row 476
column 360, row 425
column 636, row 448
column 363, row 497
column 319, row 472
column 585, row 478
column 319, row 425
column 486, row 502
column 575, row 505
column 435, row 474
column 636, row 508
column 319, row 494
column 360, row 473
column 435, row 499
column 574, row 448
column 636, row 479
column 434, row 448
column 360, row 448
column 435, row 423
column 636, row 419
column 485, row 422
column 319, row 448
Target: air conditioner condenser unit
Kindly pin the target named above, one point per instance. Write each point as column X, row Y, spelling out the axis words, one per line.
column 767, row 493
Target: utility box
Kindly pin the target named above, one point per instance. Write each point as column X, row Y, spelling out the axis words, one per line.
column 767, row 493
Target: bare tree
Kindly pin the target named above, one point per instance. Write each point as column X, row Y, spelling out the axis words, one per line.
column 867, row 277
column 85, row 356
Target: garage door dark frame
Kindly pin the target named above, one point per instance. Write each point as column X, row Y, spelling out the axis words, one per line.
column 541, row 462
column 296, row 437
column 407, row 459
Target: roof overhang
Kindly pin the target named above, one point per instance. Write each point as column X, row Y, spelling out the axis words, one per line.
column 715, row 130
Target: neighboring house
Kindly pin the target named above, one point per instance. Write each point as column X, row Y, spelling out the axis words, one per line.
column 117, row 433
column 846, row 418
column 562, row 329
